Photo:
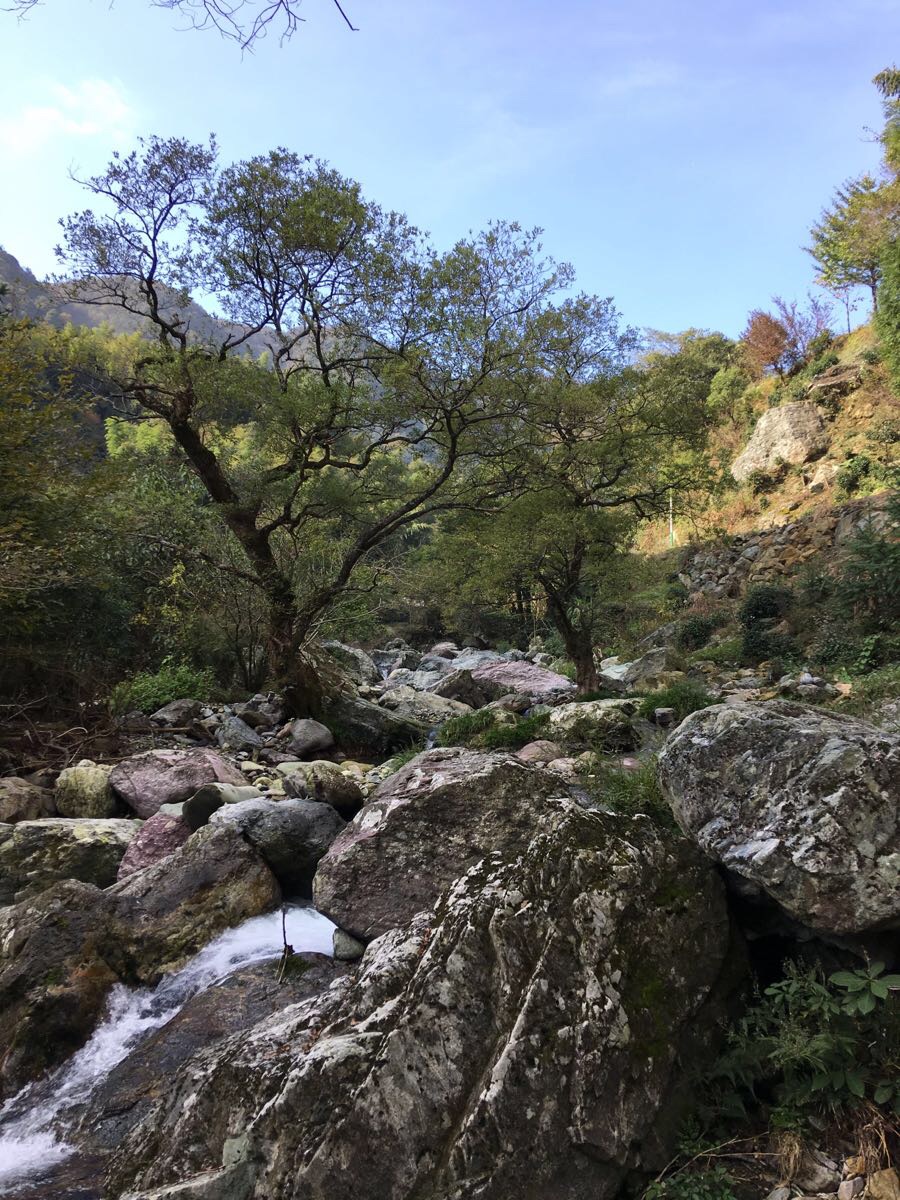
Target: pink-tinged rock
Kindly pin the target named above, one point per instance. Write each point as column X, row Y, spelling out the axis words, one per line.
column 541, row 751
column 148, row 781
column 537, row 682
column 158, row 837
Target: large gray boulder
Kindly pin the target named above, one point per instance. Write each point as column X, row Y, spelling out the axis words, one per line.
column 148, row 781
column 84, row 791
column 62, row 952
column 793, row 433
column 197, row 809
column 521, row 677
column 424, row 708
column 291, row 836
column 367, row 729
column 422, row 828
column 521, row 1040
column 177, row 713
column 605, row 725
column 355, row 663
column 325, row 782
column 36, row 854
column 797, row 804
column 235, row 734
column 306, row 736
column 24, row 801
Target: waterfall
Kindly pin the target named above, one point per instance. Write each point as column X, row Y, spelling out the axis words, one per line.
column 32, row 1122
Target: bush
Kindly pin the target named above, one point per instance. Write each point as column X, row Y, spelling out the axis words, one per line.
column 684, row 697
column 694, row 632
column 461, row 731
column 150, row 690
column 765, row 602
column 631, row 792
column 695, row 1184
column 727, row 653
column 764, row 605
column 869, row 586
column 872, row 690
column 480, row 730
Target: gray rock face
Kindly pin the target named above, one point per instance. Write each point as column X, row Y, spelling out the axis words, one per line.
column 424, row 708
column 158, row 837
column 235, row 734
column 367, row 729
column 541, row 751
column 177, row 712
column 147, row 781
column 422, row 828
column 519, row 1041
column 524, row 677
column 354, row 662
column 290, row 835
column 36, row 854
column 61, row 952
column 793, row 433
column 462, row 686
column 306, row 736
column 802, row 805
column 23, row 801
column 325, row 782
column 197, row 809
column 84, row 791
column 605, row 724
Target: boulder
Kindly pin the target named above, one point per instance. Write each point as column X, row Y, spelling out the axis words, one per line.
column 425, row 708
column 147, row 781
column 173, row 908
column 262, row 711
column 368, row 729
column 796, row 804
column 423, row 827
column 61, row 953
column 541, row 751
column 324, row 782
column 177, row 712
column 158, row 837
column 24, row 801
column 445, row 649
column 355, row 663
column 197, row 809
column 306, row 736
column 793, row 433
column 84, row 791
column 290, row 835
column 650, row 670
column 235, row 734
column 36, row 854
column 602, row 724
column 400, row 656
column 462, row 686
column 420, row 681
column 523, row 677
column 521, row 1040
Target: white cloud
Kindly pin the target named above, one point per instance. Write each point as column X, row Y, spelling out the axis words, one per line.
column 90, row 108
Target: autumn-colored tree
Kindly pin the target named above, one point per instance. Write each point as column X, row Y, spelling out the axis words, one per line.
column 781, row 342
column 764, row 343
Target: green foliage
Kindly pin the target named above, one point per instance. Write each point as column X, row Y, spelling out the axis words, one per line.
column 695, row 631
column 849, row 239
column 685, row 696
column 860, row 475
column 631, row 791
column 483, row 731
column 713, row 1183
column 869, row 585
column 763, row 606
column 818, row 1046
column 726, row 653
column 396, row 761
column 149, row 690
column 872, row 690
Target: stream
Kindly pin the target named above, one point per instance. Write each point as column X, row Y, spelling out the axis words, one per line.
column 33, row 1123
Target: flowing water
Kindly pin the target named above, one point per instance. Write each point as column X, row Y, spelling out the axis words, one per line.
column 32, row 1123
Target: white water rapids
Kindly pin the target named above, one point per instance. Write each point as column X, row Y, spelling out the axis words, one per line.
column 31, row 1140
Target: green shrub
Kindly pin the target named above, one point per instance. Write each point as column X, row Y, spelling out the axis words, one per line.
column 694, row 1184
column 763, row 605
column 727, row 653
column 872, row 690
column 695, row 631
column 631, row 792
column 869, row 585
column 684, row 697
column 818, row 1047
column 480, row 730
column 765, row 602
column 150, row 690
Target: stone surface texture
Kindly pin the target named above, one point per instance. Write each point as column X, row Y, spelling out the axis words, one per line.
column 801, row 805
column 147, row 781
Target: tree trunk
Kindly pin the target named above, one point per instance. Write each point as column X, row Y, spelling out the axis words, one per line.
column 577, row 641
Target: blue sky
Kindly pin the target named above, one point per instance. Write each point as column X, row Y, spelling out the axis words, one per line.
column 675, row 151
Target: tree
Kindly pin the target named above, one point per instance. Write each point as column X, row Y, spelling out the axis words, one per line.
column 781, row 343
column 243, row 21
column 396, row 377
column 849, row 237
column 888, row 319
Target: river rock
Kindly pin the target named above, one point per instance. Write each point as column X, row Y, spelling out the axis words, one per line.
column 84, row 791
column 235, row 734
column 36, row 854
column 158, row 837
column 355, row 663
column 792, row 433
column 462, row 686
column 521, row 1040
column 368, row 729
column 291, row 836
column 306, row 736
column 425, row 708
column 173, row 908
column 177, row 712
column 197, row 809
column 800, row 805
column 521, row 677
column 541, row 751
column 602, row 724
column 147, row 781
column 24, row 801
column 650, row 670
column 423, row 827
column 325, row 782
